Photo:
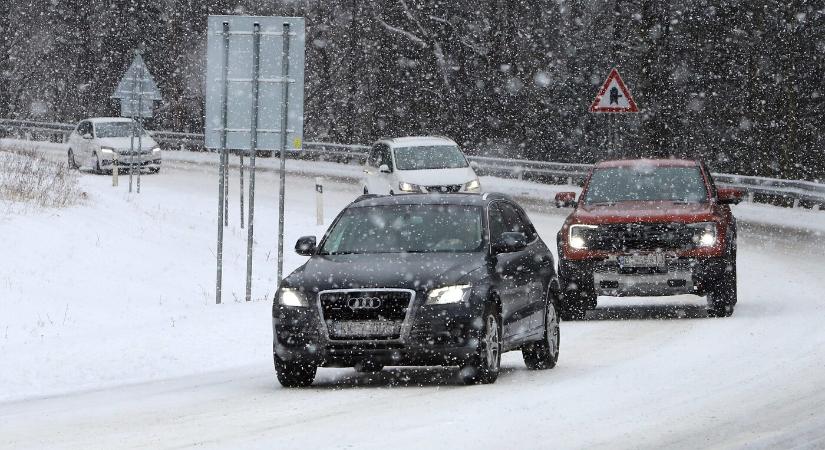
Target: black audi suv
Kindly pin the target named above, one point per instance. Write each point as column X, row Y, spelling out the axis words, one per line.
column 424, row 279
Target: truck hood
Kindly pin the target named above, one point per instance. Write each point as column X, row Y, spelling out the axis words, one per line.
column 395, row 270
column 642, row 211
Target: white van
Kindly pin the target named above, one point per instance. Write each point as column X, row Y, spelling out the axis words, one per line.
column 419, row 164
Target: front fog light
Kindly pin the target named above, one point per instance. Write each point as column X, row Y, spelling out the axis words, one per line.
column 292, row 297
column 448, row 294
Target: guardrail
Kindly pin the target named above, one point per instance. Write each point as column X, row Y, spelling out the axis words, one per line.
column 794, row 192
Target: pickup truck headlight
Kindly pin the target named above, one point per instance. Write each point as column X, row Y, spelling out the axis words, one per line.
column 106, row 151
column 156, row 150
column 292, row 297
column 578, row 235
column 704, row 234
column 409, row 187
column 472, row 186
column 448, row 295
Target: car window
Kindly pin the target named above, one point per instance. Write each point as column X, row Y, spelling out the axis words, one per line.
column 375, row 156
column 84, row 128
column 405, row 229
column 511, row 220
column 385, row 156
column 711, row 181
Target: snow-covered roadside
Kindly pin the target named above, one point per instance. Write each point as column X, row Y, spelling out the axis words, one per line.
column 121, row 287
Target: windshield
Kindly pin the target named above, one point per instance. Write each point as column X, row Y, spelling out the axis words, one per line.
column 646, row 183
column 114, row 129
column 406, row 228
column 429, row 157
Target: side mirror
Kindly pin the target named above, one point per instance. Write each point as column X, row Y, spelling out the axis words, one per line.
column 565, row 199
column 87, row 136
column 306, row 246
column 728, row 196
column 510, row 241
column 383, row 168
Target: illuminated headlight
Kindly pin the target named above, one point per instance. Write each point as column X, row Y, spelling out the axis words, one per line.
column 473, row 185
column 448, row 295
column 578, row 234
column 106, row 151
column 704, row 234
column 156, row 150
column 292, row 297
column 409, row 187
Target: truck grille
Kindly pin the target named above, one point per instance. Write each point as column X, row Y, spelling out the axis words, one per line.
column 642, row 236
column 354, row 314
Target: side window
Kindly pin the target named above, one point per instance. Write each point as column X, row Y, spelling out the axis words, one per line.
column 514, row 222
column 496, row 222
column 84, row 128
column 527, row 226
column 710, row 180
column 372, row 161
column 385, row 156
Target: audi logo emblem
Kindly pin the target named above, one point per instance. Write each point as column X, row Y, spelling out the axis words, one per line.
column 364, row 303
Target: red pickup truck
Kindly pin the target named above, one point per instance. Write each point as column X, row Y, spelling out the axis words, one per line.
column 648, row 227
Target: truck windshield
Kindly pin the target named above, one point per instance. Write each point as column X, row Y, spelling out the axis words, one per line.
column 406, row 229
column 646, row 183
column 429, row 157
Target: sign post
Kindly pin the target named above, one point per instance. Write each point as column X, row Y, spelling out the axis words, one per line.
column 254, row 101
column 613, row 97
column 136, row 91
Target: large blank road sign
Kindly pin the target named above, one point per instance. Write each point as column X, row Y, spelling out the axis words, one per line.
column 237, row 64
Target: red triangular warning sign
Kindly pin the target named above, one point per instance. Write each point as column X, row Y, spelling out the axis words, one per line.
column 614, row 96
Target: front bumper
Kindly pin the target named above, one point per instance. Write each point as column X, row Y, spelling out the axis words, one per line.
column 680, row 275
column 439, row 335
column 125, row 161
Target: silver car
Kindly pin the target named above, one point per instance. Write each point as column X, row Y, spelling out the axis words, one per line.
column 103, row 143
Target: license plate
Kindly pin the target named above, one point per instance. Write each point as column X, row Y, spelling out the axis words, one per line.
column 365, row 328
column 649, row 260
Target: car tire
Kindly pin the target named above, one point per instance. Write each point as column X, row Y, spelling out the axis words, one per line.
column 484, row 366
column 71, row 161
column 544, row 354
column 723, row 295
column 294, row 373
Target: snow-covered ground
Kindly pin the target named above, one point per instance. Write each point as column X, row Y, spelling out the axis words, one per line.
column 109, row 337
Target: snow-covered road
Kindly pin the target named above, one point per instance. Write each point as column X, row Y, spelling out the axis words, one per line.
column 111, row 340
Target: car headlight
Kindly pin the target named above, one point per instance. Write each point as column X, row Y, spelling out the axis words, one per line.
column 473, row 185
column 292, row 297
column 409, row 187
column 106, row 151
column 704, row 234
column 156, row 150
column 578, row 235
column 448, row 295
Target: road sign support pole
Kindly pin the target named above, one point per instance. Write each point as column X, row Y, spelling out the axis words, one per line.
column 240, row 179
column 140, row 127
column 319, row 201
column 282, row 171
column 253, row 147
column 134, row 126
column 222, row 165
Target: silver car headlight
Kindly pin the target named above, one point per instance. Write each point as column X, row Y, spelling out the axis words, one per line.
column 472, row 186
column 448, row 295
column 409, row 187
column 156, row 150
column 106, row 151
column 292, row 297
column 704, row 233
column 578, row 235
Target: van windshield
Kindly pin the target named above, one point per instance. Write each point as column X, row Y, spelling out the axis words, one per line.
column 429, row 157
